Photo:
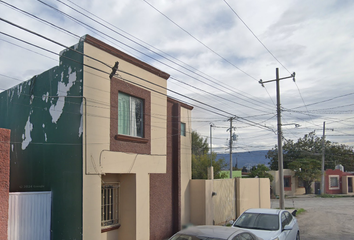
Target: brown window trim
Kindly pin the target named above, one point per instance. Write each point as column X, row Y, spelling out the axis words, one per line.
column 126, row 143
column 126, row 138
column 110, row 228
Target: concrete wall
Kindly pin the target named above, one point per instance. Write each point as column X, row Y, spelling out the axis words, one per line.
column 44, row 116
column 222, row 207
column 252, row 193
column 224, row 200
column 4, row 180
column 201, row 202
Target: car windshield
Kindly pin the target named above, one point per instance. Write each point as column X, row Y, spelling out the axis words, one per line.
column 258, row 221
column 189, row 237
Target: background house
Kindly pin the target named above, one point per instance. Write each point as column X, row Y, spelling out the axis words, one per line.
column 112, row 154
column 292, row 184
column 339, row 182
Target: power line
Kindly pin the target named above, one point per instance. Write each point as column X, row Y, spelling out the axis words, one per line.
column 118, row 70
column 217, row 83
column 256, row 36
column 199, row 40
column 74, row 19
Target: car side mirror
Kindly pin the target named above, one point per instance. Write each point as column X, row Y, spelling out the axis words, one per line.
column 294, row 213
column 287, row 227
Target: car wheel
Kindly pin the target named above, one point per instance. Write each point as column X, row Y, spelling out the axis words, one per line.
column 298, row 236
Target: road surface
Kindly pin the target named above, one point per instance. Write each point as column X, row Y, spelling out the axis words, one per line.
column 325, row 218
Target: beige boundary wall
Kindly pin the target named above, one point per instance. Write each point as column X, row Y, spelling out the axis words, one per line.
column 233, row 197
column 252, row 193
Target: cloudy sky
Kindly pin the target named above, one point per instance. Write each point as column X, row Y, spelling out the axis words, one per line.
column 216, row 52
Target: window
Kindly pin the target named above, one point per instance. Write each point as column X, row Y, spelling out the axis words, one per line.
column 287, row 183
column 258, row 221
column 110, row 205
column 289, row 217
column 284, row 220
column 333, row 182
column 130, row 115
column 183, row 129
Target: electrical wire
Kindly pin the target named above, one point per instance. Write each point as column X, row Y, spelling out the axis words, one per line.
column 217, row 83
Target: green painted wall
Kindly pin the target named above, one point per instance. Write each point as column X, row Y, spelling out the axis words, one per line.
column 237, row 174
column 46, row 140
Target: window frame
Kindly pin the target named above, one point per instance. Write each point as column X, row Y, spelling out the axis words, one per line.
column 125, row 143
column 131, row 97
column 330, row 182
column 115, row 216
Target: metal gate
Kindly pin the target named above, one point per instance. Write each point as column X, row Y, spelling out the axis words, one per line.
column 29, row 216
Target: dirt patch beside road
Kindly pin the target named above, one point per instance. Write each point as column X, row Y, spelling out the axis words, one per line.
column 325, row 218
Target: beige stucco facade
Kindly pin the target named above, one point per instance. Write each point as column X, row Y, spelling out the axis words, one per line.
column 131, row 170
column 186, row 166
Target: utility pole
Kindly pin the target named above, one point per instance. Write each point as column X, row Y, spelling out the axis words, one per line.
column 323, row 158
column 211, row 144
column 280, row 144
column 230, row 143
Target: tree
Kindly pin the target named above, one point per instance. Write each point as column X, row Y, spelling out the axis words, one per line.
column 260, row 171
column 310, row 146
column 199, row 144
column 201, row 163
column 308, row 170
column 201, row 160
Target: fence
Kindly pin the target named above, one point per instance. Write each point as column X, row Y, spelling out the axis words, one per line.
column 29, row 216
column 219, row 201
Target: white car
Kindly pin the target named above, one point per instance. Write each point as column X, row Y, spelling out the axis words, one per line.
column 214, row 233
column 269, row 224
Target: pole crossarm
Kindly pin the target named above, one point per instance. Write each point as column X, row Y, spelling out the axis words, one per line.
column 273, row 80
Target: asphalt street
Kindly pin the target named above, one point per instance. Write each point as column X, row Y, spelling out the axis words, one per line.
column 325, row 218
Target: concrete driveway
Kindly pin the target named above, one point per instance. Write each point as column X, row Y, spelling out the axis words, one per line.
column 325, row 218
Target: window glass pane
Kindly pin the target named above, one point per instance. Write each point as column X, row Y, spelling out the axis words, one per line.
column 183, row 129
column 283, row 220
column 137, row 118
column 259, row 221
column 123, row 113
column 334, row 182
column 130, row 115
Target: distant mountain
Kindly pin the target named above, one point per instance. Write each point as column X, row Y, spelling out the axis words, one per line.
column 247, row 159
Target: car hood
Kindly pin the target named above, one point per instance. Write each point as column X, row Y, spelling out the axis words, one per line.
column 266, row 235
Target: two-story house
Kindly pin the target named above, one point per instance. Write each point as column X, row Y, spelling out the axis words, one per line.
column 101, row 138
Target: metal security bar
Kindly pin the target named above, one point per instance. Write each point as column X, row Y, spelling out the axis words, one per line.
column 110, row 204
